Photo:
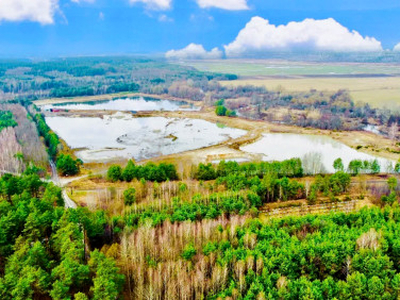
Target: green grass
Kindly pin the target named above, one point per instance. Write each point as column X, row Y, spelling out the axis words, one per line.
column 285, row 68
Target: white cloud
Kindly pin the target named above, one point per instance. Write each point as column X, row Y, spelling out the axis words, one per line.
column 101, row 16
column 397, row 47
column 224, row 4
column 194, row 51
column 201, row 17
column 155, row 4
column 41, row 11
column 165, row 18
column 319, row 35
column 78, row 1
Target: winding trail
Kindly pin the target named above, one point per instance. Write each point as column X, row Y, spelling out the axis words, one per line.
column 69, row 203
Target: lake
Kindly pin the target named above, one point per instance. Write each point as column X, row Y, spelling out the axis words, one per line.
column 127, row 104
column 123, row 136
column 317, row 152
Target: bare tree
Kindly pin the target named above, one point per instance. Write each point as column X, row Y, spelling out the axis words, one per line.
column 393, row 131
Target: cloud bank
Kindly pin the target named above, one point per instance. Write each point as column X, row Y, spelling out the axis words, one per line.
column 78, row 1
column 194, row 51
column 155, row 4
column 309, row 35
column 41, row 11
column 224, row 4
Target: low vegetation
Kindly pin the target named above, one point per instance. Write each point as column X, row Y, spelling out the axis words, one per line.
column 7, row 120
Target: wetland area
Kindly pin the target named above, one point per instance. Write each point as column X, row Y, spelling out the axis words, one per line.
column 175, row 127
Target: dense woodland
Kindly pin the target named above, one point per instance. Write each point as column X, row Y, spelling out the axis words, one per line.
column 46, row 251
column 95, row 76
column 180, row 243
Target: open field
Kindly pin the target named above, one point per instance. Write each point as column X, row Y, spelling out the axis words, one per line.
column 251, row 68
column 377, row 91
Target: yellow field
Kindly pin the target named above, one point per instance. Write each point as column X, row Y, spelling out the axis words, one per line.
column 377, row 91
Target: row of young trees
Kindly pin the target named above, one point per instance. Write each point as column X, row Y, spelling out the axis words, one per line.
column 287, row 168
column 357, row 166
column 65, row 163
column 50, row 137
column 149, row 172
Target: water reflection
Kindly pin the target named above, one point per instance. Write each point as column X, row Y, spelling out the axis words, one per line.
column 127, row 104
column 317, row 152
column 121, row 135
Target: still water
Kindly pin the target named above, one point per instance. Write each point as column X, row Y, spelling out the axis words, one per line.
column 123, row 136
column 127, row 104
column 317, row 152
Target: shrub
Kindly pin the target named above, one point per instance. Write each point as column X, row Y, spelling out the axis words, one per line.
column 67, row 165
column 188, row 252
column 221, row 110
column 129, row 196
column 114, row 173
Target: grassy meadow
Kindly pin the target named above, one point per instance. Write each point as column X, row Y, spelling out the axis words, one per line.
column 258, row 67
column 377, row 91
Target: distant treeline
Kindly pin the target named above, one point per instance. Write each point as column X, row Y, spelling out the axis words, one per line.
column 75, row 77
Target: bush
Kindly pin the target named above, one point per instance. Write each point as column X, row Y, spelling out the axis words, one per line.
column 219, row 102
column 129, row 196
column 114, row 173
column 221, row 110
column 188, row 252
column 67, row 165
column 7, row 120
column 206, row 172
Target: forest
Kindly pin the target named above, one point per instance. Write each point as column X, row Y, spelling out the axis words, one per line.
column 212, row 245
column 71, row 77
column 49, row 252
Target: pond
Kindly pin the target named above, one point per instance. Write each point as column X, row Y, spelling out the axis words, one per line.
column 123, row 136
column 126, row 104
column 317, row 152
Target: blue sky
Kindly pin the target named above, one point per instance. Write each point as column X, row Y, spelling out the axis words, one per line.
column 95, row 27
